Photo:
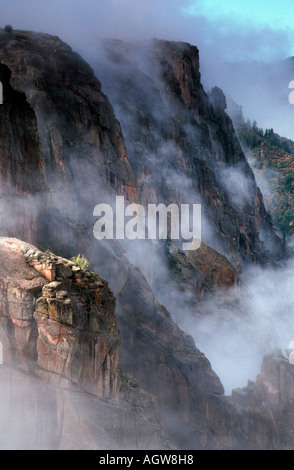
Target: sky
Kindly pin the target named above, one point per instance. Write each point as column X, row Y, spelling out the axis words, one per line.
column 237, row 39
column 201, row 20
column 261, row 13
column 268, row 20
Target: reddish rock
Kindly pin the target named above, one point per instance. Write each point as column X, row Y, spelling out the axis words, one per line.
column 60, row 352
column 217, row 270
column 69, row 329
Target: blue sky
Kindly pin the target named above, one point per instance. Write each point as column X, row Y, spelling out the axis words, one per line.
column 266, row 25
column 259, row 13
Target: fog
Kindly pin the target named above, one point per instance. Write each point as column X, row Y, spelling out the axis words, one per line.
column 236, row 335
column 246, row 61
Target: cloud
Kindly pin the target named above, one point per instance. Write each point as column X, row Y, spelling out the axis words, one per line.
column 233, row 54
column 77, row 22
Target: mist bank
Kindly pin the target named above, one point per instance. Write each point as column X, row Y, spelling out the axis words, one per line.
column 236, row 328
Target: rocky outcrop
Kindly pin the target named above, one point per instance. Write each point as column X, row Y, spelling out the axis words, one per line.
column 216, row 269
column 58, row 327
column 269, row 403
column 63, row 318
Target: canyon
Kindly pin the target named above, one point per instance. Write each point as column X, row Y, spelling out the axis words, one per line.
column 149, row 133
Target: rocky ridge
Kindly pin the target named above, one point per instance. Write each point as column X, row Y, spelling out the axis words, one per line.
column 58, row 327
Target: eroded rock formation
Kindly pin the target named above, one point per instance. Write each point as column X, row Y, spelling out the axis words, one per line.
column 60, row 345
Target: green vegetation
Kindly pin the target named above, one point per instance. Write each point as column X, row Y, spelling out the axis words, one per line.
column 80, row 261
column 273, row 159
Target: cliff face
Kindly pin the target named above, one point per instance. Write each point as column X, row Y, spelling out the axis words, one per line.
column 166, row 363
column 76, row 124
column 182, row 144
column 22, row 175
column 60, row 353
column 180, row 147
column 269, row 402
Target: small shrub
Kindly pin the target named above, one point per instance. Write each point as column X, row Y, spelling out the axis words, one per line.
column 80, row 261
